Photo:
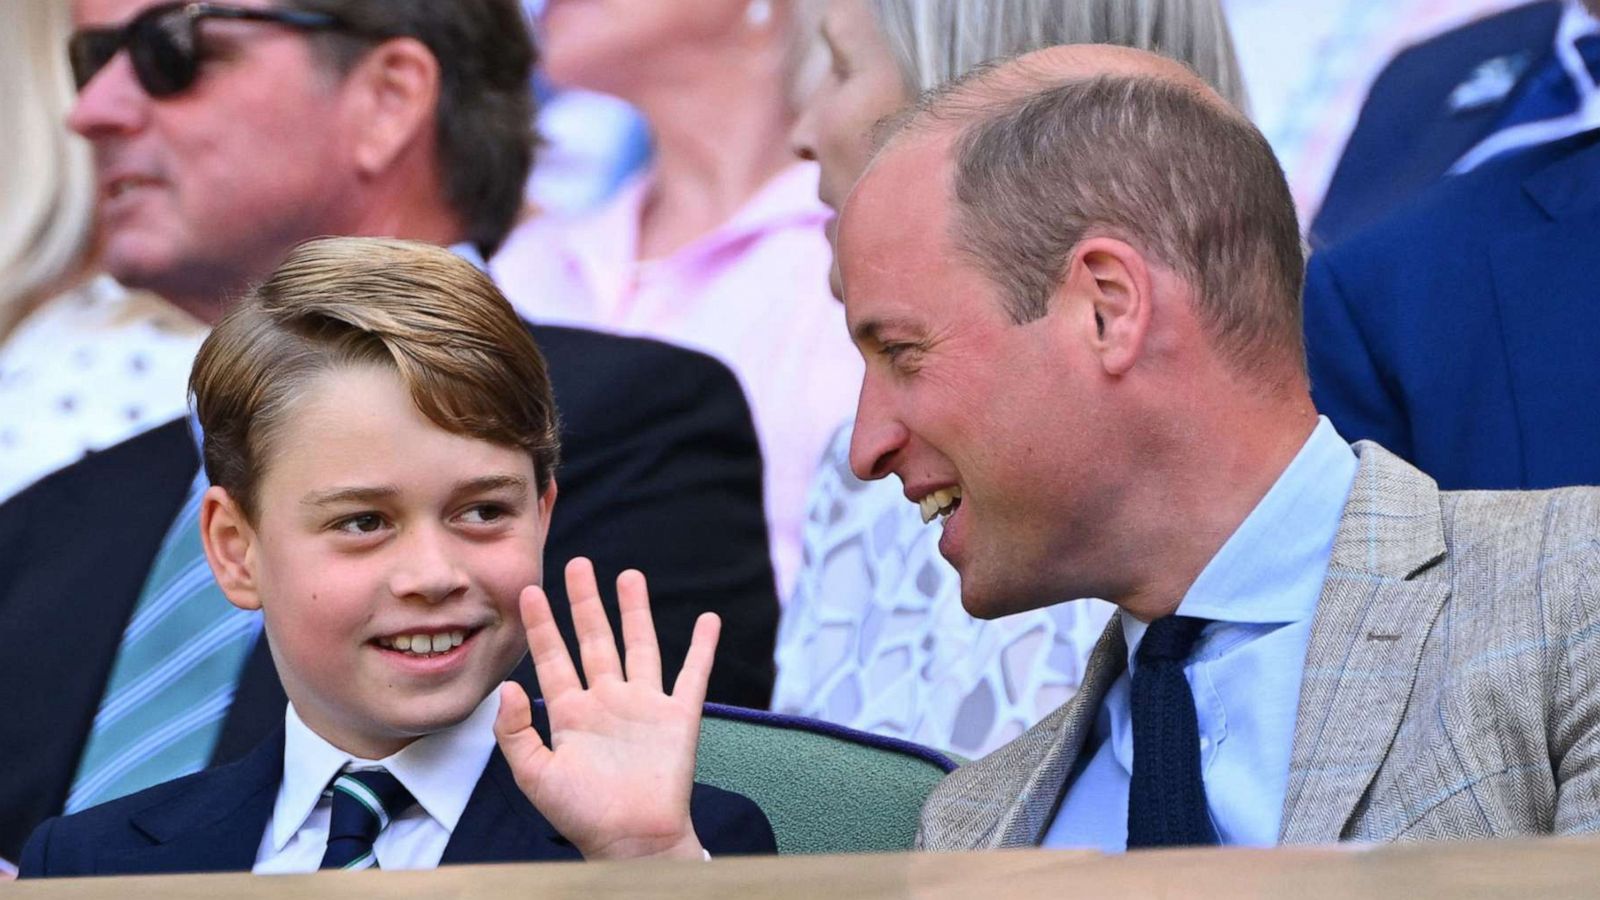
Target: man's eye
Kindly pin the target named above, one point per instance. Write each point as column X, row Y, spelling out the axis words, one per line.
column 365, row 523
column 901, row 356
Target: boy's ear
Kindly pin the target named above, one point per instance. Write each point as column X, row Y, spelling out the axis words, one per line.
column 230, row 545
column 547, row 503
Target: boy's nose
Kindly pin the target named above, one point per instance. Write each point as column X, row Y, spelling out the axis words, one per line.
column 428, row 571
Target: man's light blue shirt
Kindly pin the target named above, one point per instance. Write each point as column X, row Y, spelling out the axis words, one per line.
column 1261, row 593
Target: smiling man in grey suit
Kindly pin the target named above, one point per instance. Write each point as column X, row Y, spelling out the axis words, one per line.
column 1076, row 280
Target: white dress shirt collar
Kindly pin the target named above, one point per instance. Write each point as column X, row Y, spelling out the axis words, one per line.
column 440, row 769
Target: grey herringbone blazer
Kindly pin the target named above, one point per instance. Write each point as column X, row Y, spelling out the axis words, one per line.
column 1451, row 690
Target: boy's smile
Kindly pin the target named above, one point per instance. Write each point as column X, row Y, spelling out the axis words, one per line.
column 387, row 556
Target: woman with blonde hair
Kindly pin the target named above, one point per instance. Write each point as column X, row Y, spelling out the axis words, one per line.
column 874, row 635
column 717, row 245
column 83, row 363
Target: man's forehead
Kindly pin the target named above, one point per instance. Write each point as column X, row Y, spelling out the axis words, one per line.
column 893, row 230
column 907, row 184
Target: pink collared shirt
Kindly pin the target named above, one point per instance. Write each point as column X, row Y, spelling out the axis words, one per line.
column 752, row 293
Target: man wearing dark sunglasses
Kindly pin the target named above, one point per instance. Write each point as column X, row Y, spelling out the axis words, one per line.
column 224, row 134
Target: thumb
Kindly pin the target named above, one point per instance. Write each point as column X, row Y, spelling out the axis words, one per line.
column 521, row 745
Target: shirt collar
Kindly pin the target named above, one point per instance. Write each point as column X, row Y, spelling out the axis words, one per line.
column 441, row 770
column 1271, row 569
column 1576, row 22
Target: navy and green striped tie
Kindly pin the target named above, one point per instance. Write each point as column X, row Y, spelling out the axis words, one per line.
column 174, row 676
column 363, row 805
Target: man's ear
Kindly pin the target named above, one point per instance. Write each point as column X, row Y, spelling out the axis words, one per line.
column 395, row 101
column 1112, row 282
column 231, row 549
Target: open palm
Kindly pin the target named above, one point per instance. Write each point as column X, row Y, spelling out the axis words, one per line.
column 617, row 775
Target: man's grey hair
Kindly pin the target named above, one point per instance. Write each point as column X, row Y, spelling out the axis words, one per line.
column 1159, row 164
column 936, row 41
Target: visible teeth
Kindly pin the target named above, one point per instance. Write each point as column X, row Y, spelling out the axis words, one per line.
column 424, row 644
column 938, row 503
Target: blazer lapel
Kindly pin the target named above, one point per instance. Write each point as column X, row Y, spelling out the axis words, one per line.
column 216, row 825
column 1044, row 785
column 500, row 825
column 1546, row 294
column 1383, row 592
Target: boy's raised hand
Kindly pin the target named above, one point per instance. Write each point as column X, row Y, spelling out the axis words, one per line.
column 616, row 779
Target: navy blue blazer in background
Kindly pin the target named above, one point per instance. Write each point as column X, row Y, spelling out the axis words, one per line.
column 1463, row 333
column 661, row 469
column 213, row 821
column 1407, row 135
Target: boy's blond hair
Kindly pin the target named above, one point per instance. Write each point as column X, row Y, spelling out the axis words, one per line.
column 435, row 319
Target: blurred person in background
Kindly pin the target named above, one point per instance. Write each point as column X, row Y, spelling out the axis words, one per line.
column 718, row 245
column 874, row 635
column 1490, row 88
column 1308, row 67
column 84, row 363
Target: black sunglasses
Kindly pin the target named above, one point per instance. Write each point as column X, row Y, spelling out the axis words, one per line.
column 164, row 41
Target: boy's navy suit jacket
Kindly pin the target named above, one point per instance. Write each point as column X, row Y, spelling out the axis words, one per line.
column 213, row 821
column 661, row 470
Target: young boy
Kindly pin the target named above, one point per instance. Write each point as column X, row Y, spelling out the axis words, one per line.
column 381, row 442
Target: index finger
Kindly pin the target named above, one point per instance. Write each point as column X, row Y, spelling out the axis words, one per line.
column 551, row 662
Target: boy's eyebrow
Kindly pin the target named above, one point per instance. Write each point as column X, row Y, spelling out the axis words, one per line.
column 492, row 483
column 350, row 495
column 386, row 492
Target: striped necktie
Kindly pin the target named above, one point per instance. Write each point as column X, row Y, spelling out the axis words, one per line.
column 363, row 805
column 174, row 676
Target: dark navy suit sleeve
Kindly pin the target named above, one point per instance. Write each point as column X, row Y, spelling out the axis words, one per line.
column 729, row 824
column 36, row 852
column 1347, row 381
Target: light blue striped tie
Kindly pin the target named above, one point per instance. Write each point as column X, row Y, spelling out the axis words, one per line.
column 174, row 675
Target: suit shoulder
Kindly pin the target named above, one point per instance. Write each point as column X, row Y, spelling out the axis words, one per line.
column 1534, row 520
column 643, row 356
column 66, row 845
column 1521, row 28
column 164, row 451
column 1471, row 208
column 1540, row 545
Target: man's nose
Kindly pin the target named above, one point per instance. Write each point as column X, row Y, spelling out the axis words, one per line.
column 878, row 436
column 428, row 568
column 111, row 103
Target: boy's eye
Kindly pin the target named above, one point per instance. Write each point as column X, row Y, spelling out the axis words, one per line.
column 365, row 523
column 485, row 513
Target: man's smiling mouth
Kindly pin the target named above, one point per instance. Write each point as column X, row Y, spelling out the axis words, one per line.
column 940, row 503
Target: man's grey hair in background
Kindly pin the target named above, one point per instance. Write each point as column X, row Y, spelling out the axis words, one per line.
column 937, row 41
column 1162, row 165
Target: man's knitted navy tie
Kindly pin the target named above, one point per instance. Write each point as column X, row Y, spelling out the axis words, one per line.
column 1166, row 798
column 363, row 804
